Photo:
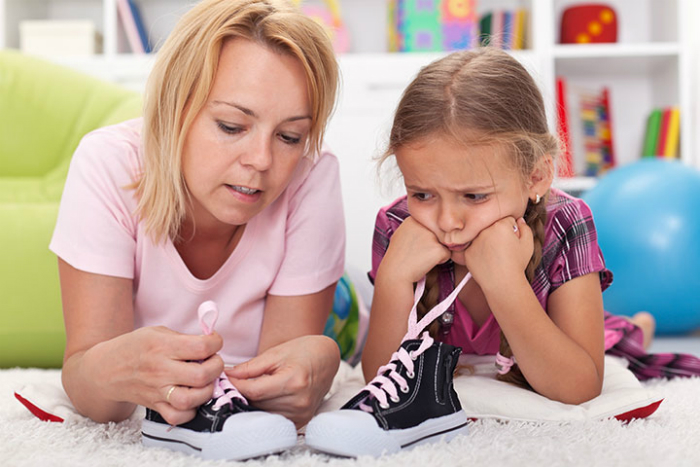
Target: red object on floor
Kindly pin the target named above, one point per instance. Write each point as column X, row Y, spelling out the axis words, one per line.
column 40, row 414
column 588, row 24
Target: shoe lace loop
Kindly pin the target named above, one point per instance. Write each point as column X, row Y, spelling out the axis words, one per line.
column 224, row 390
column 385, row 383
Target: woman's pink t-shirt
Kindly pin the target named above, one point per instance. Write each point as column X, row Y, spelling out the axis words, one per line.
column 296, row 246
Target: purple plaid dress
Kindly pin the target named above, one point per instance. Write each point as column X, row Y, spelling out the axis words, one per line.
column 570, row 250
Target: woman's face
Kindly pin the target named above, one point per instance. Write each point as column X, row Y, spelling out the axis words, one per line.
column 457, row 192
column 245, row 143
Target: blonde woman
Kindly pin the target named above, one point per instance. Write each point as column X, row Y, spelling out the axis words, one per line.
column 222, row 193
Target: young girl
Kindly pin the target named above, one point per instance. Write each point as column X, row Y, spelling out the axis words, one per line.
column 220, row 192
column 513, row 263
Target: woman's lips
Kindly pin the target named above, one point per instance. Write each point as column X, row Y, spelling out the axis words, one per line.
column 458, row 247
column 245, row 194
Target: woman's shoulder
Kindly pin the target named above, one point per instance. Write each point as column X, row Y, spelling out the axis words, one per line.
column 311, row 168
column 114, row 150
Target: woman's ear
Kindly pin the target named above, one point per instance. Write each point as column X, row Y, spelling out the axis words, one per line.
column 541, row 178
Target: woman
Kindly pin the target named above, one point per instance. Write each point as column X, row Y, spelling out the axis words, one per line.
column 220, row 192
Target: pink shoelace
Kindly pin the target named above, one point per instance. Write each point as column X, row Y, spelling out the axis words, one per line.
column 224, row 391
column 383, row 385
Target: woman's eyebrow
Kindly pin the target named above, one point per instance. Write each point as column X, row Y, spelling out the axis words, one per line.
column 251, row 113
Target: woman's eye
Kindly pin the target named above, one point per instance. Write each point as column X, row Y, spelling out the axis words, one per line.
column 231, row 130
column 288, row 139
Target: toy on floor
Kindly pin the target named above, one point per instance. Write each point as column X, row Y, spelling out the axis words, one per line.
column 648, row 223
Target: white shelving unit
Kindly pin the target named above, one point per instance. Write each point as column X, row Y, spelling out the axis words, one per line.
column 653, row 64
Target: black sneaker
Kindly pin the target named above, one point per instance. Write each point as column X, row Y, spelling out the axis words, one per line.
column 226, row 427
column 422, row 405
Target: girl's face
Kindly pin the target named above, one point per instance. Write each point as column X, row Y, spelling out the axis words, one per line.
column 247, row 140
column 457, row 191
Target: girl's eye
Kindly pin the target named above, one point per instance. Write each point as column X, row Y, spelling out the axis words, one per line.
column 476, row 197
column 231, row 130
column 289, row 139
column 422, row 196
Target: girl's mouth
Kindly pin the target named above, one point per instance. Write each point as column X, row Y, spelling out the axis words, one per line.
column 458, row 247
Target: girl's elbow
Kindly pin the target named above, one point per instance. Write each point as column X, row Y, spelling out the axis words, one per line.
column 582, row 392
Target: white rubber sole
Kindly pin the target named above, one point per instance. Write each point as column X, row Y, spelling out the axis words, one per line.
column 353, row 433
column 244, row 436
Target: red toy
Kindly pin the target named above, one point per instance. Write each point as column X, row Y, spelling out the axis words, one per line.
column 588, row 23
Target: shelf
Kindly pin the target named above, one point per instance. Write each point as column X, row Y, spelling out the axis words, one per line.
column 651, row 49
column 575, row 185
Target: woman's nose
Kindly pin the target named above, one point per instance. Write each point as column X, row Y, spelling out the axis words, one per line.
column 258, row 154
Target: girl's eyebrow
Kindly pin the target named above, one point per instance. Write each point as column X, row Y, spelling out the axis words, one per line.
column 464, row 189
column 251, row 113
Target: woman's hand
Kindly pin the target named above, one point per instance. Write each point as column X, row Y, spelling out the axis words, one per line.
column 500, row 251
column 170, row 372
column 413, row 251
column 291, row 378
column 109, row 367
column 143, row 366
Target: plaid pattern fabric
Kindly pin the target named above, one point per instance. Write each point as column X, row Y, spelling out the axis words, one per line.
column 570, row 250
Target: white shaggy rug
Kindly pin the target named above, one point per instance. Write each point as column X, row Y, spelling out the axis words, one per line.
column 670, row 437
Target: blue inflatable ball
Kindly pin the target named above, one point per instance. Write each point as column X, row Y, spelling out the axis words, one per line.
column 647, row 215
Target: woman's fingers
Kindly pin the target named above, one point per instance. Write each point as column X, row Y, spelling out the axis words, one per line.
column 184, row 398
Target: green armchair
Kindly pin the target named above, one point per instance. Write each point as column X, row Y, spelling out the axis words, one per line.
column 45, row 110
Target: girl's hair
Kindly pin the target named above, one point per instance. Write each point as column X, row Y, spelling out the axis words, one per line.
column 182, row 78
column 479, row 97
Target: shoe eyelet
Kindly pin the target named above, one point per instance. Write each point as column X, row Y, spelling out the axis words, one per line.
column 384, row 406
column 405, row 389
column 411, row 374
column 394, row 399
column 412, row 354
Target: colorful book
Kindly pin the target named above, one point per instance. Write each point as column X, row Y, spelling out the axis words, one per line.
column 130, row 28
column 652, row 133
column 143, row 34
column 673, row 133
column 663, row 133
column 431, row 25
column 485, row 29
column 606, row 130
column 565, row 166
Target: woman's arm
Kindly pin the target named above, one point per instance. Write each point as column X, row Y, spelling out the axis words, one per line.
column 109, row 367
column 296, row 364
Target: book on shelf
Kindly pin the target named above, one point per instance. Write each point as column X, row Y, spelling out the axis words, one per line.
column 431, row 25
column 565, row 167
column 506, row 29
column 662, row 133
column 134, row 28
column 585, row 127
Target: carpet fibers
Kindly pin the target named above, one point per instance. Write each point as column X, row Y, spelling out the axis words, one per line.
column 670, row 437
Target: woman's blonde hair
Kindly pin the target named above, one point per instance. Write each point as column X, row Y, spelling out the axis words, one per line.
column 479, row 97
column 182, row 78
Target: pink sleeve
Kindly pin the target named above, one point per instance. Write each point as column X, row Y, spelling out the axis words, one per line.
column 96, row 231
column 315, row 235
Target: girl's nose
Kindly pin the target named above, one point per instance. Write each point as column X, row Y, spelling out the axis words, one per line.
column 450, row 218
column 258, row 154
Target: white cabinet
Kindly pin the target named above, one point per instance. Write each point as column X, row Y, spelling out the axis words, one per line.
column 653, row 64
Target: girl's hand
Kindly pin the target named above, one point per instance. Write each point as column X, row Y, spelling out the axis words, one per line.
column 149, row 362
column 413, row 251
column 291, row 378
column 500, row 251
